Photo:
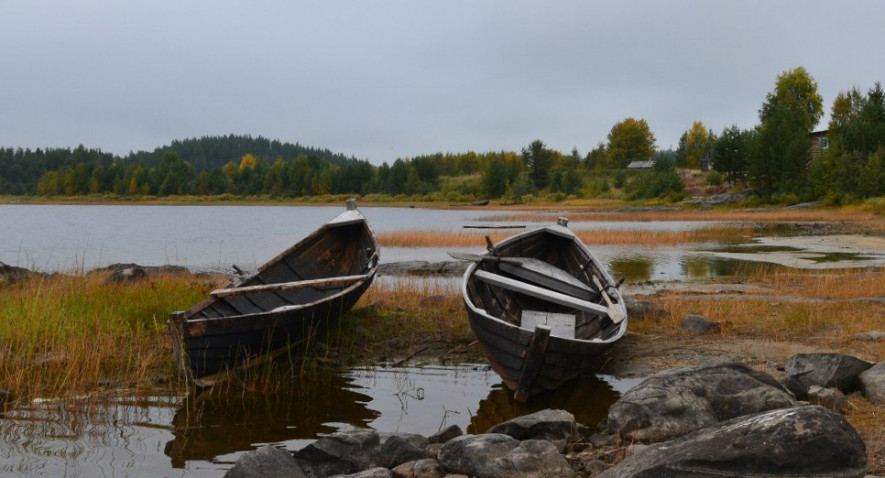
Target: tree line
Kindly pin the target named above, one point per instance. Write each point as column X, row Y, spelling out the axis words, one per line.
column 773, row 158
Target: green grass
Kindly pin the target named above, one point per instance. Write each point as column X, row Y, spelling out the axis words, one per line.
column 67, row 335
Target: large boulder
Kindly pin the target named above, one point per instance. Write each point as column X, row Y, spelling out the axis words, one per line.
column 340, row 453
column 265, row 462
column 826, row 370
column 556, row 426
column 494, row 455
column 808, row 441
column 872, row 381
column 676, row 402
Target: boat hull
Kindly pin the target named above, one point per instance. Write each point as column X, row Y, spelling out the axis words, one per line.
column 283, row 306
column 532, row 360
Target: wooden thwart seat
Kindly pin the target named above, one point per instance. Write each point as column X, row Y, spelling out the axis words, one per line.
column 302, row 284
column 546, row 275
column 540, row 293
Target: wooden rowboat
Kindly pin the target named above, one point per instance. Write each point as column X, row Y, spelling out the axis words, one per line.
column 284, row 303
column 542, row 308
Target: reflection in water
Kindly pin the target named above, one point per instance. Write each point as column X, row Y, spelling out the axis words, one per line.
column 202, row 435
column 588, row 399
column 635, row 269
column 227, row 420
column 99, row 437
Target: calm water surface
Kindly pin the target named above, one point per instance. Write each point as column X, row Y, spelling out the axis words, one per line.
column 203, row 435
column 53, row 238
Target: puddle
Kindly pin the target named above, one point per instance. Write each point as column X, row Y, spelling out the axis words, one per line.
column 203, row 435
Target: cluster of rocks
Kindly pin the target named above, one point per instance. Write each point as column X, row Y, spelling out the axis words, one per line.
column 12, row 274
column 116, row 273
column 717, row 420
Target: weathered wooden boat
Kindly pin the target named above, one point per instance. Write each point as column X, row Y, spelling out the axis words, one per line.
column 288, row 299
column 542, row 308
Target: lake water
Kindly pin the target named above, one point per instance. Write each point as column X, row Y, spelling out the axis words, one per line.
column 53, row 238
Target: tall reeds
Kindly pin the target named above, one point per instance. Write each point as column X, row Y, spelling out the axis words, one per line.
column 65, row 335
column 475, row 238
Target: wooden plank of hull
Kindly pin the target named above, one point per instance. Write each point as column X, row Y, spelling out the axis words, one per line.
column 224, row 343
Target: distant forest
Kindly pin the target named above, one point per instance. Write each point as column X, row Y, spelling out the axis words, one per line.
column 782, row 158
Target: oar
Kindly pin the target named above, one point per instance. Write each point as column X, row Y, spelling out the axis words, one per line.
column 466, row 256
column 616, row 314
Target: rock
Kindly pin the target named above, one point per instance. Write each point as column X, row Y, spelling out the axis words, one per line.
column 377, row 472
column 807, row 441
column 640, row 309
column 397, row 450
column 698, row 325
column 676, row 402
column 340, row 453
column 12, row 274
column 445, row 434
column 830, row 398
column 872, row 382
column 556, row 426
column 494, row 455
column 126, row 276
column 873, row 336
column 602, row 439
column 265, row 462
column 426, row 468
column 824, row 369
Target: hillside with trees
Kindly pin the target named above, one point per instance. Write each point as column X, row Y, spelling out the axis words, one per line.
column 774, row 158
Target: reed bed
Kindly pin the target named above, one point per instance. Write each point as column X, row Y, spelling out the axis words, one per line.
column 66, row 335
column 475, row 238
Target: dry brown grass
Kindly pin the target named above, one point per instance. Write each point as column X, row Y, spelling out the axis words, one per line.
column 475, row 238
column 773, row 215
column 67, row 335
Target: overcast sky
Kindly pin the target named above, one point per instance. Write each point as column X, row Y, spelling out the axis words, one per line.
column 386, row 79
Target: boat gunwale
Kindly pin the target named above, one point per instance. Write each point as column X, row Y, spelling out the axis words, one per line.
column 561, row 231
column 187, row 316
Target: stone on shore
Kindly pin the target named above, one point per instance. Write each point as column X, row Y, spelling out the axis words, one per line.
column 445, row 434
column 828, row 370
column 698, row 325
column 12, row 274
column 807, row 441
column 677, row 402
column 340, row 453
column 556, row 426
column 377, row 472
column 494, row 455
column 426, row 468
column 266, row 462
column 872, row 381
column 640, row 309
